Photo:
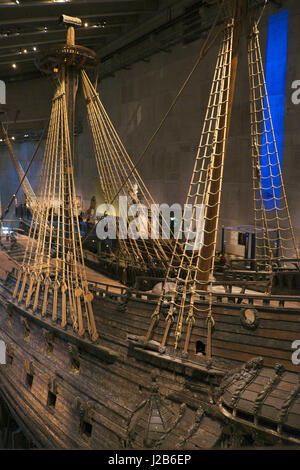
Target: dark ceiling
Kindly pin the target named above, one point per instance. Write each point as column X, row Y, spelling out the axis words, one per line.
column 120, row 31
column 109, row 26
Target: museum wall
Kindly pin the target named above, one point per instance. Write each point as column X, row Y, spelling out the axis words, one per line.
column 136, row 100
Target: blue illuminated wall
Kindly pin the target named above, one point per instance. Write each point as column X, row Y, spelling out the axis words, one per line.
column 275, row 72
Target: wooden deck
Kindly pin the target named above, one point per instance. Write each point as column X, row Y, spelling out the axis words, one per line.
column 7, row 263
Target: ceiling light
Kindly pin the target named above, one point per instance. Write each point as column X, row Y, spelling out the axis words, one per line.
column 14, row 66
column 34, row 48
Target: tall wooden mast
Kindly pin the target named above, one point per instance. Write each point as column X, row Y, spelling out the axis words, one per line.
column 204, row 193
column 71, row 85
column 210, row 228
column 52, row 277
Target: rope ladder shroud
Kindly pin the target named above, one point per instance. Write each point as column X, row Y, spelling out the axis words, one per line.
column 114, row 166
column 52, row 273
column 119, row 176
column 194, row 273
column 274, row 231
column 52, row 276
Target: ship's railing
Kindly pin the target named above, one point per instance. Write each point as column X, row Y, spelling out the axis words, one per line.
column 10, row 223
column 107, row 290
column 119, row 293
column 263, row 264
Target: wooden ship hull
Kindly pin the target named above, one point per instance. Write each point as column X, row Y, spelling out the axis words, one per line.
column 98, row 397
column 95, row 365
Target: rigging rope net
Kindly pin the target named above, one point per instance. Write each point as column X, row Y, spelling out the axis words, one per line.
column 52, row 277
column 273, row 227
column 197, row 241
column 114, row 166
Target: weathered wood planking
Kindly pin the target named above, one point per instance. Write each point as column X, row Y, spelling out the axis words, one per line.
column 114, row 381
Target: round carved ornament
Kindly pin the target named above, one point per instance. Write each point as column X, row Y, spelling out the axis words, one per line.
column 249, row 318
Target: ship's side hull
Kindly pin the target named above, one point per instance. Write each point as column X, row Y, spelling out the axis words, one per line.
column 245, row 326
column 74, row 394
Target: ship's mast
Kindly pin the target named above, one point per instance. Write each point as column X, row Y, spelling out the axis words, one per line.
column 52, row 277
column 26, row 186
column 197, row 261
column 70, row 76
column 71, row 85
column 210, row 228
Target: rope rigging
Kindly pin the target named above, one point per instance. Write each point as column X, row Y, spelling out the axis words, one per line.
column 118, row 175
column 52, row 276
column 113, row 163
column 274, row 232
column 189, row 295
column 202, row 196
column 208, row 43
